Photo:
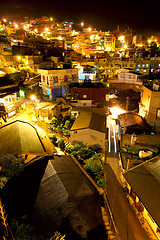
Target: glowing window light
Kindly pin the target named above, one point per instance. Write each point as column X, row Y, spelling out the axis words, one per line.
column 121, row 38
column 108, row 48
column 16, row 25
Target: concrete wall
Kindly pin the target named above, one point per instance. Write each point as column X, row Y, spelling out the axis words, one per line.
column 88, row 137
column 150, row 104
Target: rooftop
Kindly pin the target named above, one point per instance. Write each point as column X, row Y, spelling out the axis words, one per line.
column 19, row 137
column 90, row 119
column 145, row 182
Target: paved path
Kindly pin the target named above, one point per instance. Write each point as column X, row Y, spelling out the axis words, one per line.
column 127, row 223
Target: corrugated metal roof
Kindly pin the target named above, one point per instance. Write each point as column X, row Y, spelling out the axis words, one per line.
column 145, row 182
column 89, row 119
column 20, row 137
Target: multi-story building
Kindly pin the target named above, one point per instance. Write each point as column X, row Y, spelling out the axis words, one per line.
column 85, row 92
column 138, row 41
column 86, row 72
column 149, row 106
column 109, row 42
column 148, row 66
column 6, row 56
column 55, row 82
column 126, row 79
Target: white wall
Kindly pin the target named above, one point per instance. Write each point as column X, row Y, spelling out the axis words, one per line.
column 129, row 78
column 88, row 137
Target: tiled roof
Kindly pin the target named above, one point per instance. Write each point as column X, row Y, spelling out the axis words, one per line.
column 89, row 119
column 145, row 182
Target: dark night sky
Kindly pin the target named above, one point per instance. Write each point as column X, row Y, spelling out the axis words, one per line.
column 140, row 15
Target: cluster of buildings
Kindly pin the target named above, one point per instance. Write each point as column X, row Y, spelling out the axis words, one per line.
column 86, row 69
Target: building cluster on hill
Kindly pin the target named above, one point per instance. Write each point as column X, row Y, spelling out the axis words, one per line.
column 89, row 74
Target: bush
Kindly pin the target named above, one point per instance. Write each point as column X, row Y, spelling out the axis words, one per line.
column 58, row 236
column 68, row 149
column 67, row 124
column 85, row 152
column 96, row 148
column 66, row 132
column 75, row 154
column 22, row 230
column 94, row 165
column 60, row 142
column 53, row 139
column 10, row 166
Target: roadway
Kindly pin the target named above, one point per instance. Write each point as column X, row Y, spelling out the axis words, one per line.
column 127, row 224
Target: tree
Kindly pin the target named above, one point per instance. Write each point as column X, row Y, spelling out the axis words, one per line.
column 10, row 166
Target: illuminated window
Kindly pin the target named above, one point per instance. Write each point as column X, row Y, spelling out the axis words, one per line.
column 158, row 113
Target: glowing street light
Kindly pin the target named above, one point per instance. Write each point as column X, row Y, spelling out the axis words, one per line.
column 33, row 97
column 16, row 25
column 60, row 38
column 116, row 111
column 89, row 29
column 19, row 60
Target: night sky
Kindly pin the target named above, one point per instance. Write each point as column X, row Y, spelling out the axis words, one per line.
column 139, row 15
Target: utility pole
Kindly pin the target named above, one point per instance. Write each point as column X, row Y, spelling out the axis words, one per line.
column 127, row 100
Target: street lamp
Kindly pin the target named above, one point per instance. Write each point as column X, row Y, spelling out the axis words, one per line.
column 33, row 98
column 19, row 59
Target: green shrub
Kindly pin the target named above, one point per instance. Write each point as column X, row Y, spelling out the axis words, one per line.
column 60, row 142
column 10, row 166
column 23, row 230
column 94, row 165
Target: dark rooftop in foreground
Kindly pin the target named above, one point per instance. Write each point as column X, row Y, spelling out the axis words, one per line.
column 68, row 202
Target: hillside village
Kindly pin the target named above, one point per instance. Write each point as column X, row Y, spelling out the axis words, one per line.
column 70, row 96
